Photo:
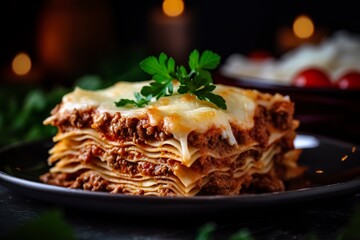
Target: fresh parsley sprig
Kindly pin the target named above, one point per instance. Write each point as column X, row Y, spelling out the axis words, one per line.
column 198, row 81
column 140, row 101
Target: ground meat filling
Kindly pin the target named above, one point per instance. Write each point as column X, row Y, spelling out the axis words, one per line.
column 256, row 183
column 260, row 132
column 73, row 120
column 221, row 184
column 90, row 181
column 117, row 158
column 281, row 114
column 264, row 183
column 59, row 179
column 115, row 127
column 93, row 182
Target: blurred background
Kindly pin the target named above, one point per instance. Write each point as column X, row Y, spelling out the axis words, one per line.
column 48, row 47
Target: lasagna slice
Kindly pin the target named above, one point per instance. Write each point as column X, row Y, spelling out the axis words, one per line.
column 175, row 146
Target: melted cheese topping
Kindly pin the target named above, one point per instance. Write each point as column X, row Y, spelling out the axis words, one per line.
column 179, row 114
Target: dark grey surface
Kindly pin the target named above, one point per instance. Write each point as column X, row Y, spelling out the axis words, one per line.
column 322, row 214
column 324, row 218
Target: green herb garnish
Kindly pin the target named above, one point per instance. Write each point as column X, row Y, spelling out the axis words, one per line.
column 140, row 101
column 197, row 81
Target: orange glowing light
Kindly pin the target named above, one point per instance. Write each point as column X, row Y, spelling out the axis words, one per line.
column 303, row 27
column 21, row 65
column 173, row 8
column 319, row 171
column 344, row 158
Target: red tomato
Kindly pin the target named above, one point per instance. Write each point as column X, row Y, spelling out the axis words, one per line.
column 312, row 77
column 259, row 55
column 350, row 80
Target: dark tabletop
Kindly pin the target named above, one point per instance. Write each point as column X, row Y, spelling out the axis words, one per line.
column 326, row 219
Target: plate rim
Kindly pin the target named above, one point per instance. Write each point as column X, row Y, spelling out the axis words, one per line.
column 261, row 83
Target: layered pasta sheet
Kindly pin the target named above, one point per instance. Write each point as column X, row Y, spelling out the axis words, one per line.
column 157, row 150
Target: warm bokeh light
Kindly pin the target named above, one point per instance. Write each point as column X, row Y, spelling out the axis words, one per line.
column 21, row 64
column 173, row 8
column 303, row 27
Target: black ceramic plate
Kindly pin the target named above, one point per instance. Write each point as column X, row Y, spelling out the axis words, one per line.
column 330, row 175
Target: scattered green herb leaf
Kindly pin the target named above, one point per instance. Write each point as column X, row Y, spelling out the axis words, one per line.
column 206, row 231
column 22, row 111
column 164, row 71
column 243, row 234
column 49, row 225
column 352, row 230
column 140, row 101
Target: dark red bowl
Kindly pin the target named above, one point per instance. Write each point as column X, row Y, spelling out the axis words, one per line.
column 327, row 111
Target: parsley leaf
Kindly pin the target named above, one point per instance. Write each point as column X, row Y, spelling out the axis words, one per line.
column 207, row 60
column 164, row 71
column 140, row 101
